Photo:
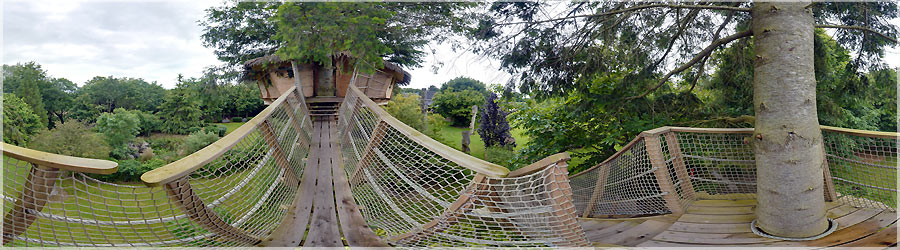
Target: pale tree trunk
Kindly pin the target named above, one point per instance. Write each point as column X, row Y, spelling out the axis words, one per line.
column 787, row 140
column 326, row 81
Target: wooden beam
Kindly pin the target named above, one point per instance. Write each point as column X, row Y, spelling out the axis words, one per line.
column 33, row 196
column 64, row 162
column 654, row 152
column 599, row 189
column 280, row 156
column 182, row 194
column 687, row 189
column 560, row 196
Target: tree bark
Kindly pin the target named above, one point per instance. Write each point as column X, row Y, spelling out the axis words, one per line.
column 326, row 82
column 787, row 140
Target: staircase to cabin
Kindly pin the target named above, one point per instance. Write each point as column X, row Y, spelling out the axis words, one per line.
column 324, row 108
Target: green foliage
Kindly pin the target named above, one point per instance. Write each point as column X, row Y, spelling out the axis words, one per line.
column 72, row 138
column 457, row 105
column 180, row 111
column 119, row 128
column 19, row 121
column 236, row 119
column 108, row 93
column 406, row 108
column 503, row 156
column 130, row 170
column 196, row 141
column 56, row 94
column 240, row 31
column 493, row 127
column 242, row 100
column 465, row 83
column 26, row 80
column 436, row 122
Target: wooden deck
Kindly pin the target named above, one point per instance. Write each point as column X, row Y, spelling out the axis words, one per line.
column 726, row 223
column 326, row 215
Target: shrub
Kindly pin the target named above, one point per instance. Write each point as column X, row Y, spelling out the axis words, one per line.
column 71, row 138
column 222, row 130
column 192, row 130
column 236, row 119
column 130, row 170
column 457, row 105
column 503, row 156
column 406, row 109
column 197, row 141
column 494, row 129
column 19, row 121
column 118, row 128
column 165, row 143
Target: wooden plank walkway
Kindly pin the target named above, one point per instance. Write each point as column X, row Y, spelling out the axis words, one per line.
column 324, row 214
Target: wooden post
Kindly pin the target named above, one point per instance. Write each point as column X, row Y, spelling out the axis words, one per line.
column 560, row 195
column 280, row 156
column 599, row 189
column 830, row 193
column 377, row 134
column 465, row 141
column 472, row 122
column 687, row 189
column 654, row 152
column 33, row 197
column 181, row 193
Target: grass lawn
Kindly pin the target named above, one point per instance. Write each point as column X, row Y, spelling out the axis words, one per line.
column 454, row 136
column 231, row 126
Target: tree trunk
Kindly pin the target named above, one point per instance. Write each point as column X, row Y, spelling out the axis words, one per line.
column 787, row 140
column 326, row 82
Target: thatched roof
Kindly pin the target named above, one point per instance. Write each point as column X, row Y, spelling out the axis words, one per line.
column 251, row 67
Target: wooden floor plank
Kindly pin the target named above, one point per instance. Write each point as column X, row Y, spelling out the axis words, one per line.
column 721, row 210
column 717, row 219
column 298, row 217
column 711, row 239
column 353, row 226
column 724, row 203
column 637, row 234
column 855, row 217
column 884, row 238
column 600, row 235
column 323, row 227
column 710, row 228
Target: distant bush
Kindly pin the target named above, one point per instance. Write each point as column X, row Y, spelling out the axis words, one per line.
column 19, row 120
column 405, row 107
column 236, row 119
column 503, row 156
column 71, row 138
column 118, row 129
column 130, row 170
column 435, row 123
column 197, row 141
column 192, row 130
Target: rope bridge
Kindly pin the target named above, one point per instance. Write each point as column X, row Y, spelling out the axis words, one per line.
column 367, row 179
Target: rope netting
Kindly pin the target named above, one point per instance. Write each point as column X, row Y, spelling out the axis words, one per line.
column 236, row 192
column 665, row 170
column 414, row 192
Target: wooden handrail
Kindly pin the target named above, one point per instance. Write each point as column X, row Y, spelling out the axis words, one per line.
column 70, row 163
column 865, row 133
column 540, row 165
column 460, row 158
column 192, row 162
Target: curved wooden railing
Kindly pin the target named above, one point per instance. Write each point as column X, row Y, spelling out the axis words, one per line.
column 664, row 170
column 234, row 192
column 415, row 191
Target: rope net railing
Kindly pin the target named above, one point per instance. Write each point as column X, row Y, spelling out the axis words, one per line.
column 414, row 191
column 234, row 192
column 664, row 170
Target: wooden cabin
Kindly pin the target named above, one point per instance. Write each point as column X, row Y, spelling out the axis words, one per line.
column 275, row 76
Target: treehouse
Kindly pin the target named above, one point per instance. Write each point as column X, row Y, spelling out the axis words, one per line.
column 275, row 76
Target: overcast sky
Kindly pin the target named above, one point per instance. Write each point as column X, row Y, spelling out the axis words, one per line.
column 157, row 40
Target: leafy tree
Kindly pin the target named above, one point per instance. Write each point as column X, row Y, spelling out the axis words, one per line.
column 240, row 32
column 26, row 80
column 180, row 111
column 72, row 138
column 566, row 54
column 406, row 108
column 493, row 127
column 196, row 141
column 19, row 121
column 464, row 83
column 243, row 101
column 457, row 105
column 118, row 129
column 58, row 99
column 105, row 94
